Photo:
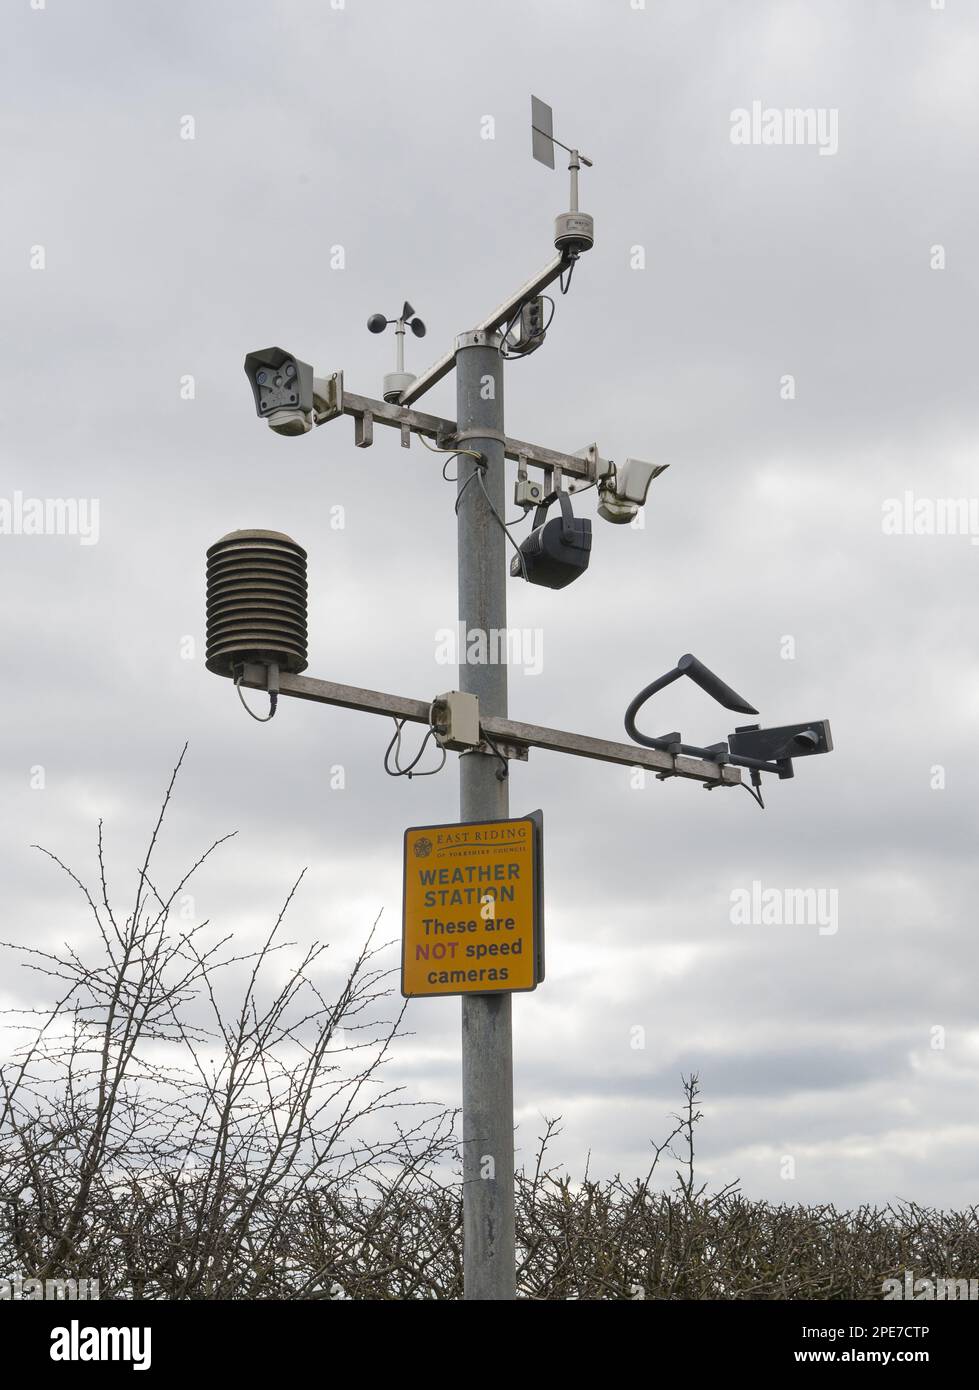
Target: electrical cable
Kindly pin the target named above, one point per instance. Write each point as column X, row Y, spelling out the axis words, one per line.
column 510, row 352
column 504, row 526
column 756, row 783
column 260, row 718
column 477, row 472
column 506, row 333
column 450, row 453
column 503, row 771
column 409, row 771
column 566, row 283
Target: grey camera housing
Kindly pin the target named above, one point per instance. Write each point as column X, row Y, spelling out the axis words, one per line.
column 282, row 387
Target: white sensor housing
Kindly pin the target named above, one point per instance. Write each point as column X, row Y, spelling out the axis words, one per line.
column 455, row 719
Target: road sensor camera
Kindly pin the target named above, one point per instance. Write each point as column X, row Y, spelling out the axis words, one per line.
column 283, row 389
column 556, row 552
column 623, row 491
column 786, row 742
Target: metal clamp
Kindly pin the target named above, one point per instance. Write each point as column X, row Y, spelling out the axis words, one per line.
column 364, row 430
column 520, row 752
column 476, row 337
column 498, row 436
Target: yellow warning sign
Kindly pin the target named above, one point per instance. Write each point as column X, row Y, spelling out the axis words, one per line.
column 473, row 907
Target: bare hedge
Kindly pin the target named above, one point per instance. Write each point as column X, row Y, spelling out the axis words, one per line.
column 173, row 1145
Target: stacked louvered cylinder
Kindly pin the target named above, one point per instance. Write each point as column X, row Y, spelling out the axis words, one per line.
column 256, row 602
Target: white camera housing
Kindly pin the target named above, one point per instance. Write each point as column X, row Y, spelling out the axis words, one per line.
column 623, row 491
column 289, row 422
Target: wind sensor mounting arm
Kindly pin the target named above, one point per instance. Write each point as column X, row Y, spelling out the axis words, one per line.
column 574, row 232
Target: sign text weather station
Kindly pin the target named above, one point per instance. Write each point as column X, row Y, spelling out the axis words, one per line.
column 473, row 919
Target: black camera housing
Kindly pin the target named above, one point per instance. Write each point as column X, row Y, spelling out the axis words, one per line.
column 556, row 552
column 784, row 743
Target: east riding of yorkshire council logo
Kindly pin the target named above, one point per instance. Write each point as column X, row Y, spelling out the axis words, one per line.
column 423, row 848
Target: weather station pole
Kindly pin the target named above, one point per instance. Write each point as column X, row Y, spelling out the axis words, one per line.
column 489, row 1261
column 257, row 625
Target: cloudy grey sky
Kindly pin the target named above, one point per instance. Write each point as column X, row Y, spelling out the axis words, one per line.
column 362, row 127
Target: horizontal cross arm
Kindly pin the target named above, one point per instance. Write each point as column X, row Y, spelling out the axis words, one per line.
column 443, row 432
column 504, row 731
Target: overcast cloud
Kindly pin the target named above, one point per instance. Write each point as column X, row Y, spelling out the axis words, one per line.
column 362, row 127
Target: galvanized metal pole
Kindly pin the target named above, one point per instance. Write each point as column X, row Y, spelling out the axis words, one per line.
column 487, row 1043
